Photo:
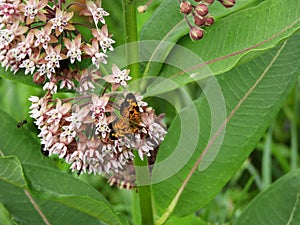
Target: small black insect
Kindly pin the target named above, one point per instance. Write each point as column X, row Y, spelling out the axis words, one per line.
column 21, row 123
column 44, row 151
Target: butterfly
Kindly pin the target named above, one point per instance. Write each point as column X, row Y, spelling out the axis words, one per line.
column 128, row 122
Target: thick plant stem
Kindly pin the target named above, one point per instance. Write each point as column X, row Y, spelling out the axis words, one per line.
column 132, row 54
column 144, row 192
column 131, row 36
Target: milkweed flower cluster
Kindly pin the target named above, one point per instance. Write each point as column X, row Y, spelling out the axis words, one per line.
column 99, row 134
column 42, row 38
column 94, row 133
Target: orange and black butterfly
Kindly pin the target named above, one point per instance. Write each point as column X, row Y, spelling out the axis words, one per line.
column 129, row 121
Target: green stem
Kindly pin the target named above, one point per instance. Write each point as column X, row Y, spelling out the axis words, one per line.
column 132, row 55
column 131, row 36
column 266, row 161
column 144, row 192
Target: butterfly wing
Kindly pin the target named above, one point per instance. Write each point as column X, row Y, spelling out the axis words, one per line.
column 129, row 121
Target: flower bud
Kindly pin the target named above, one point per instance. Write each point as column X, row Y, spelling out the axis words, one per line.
column 185, row 7
column 201, row 9
column 199, row 20
column 38, row 79
column 142, row 8
column 197, row 0
column 209, row 20
column 208, row 2
column 227, row 3
column 196, row 33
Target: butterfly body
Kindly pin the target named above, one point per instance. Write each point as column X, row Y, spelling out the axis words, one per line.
column 129, row 120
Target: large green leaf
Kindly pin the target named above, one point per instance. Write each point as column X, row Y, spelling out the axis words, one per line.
column 59, row 196
column 240, row 36
column 12, row 103
column 4, row 216
column 19, row 76
column 252, row 94
column 20, row 142
column 167, row 25
column 277, row 205
column 250, row 30
column 174, row 26
column 51, row 194
column 11, row 171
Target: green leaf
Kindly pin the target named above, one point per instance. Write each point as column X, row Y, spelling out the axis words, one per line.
column 4, row 216
column 248, row 31
column 20, row 142
column 67, row 190
column 169, row 27
column 11, row 171
column 173, row 24
column 239, row 37
column 18, row 77
column 18, row 108
column 59, row 196
column 233, row 113
column 277, row 205
column 188, row 220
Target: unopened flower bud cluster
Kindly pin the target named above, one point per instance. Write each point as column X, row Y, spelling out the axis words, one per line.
column 92, row 132
column 200, row 13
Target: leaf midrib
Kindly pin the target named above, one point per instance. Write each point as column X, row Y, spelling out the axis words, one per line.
column 173, row 203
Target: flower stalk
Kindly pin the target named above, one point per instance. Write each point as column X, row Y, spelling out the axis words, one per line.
column 132, row 51
column 144, row 192
column 131, row 36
